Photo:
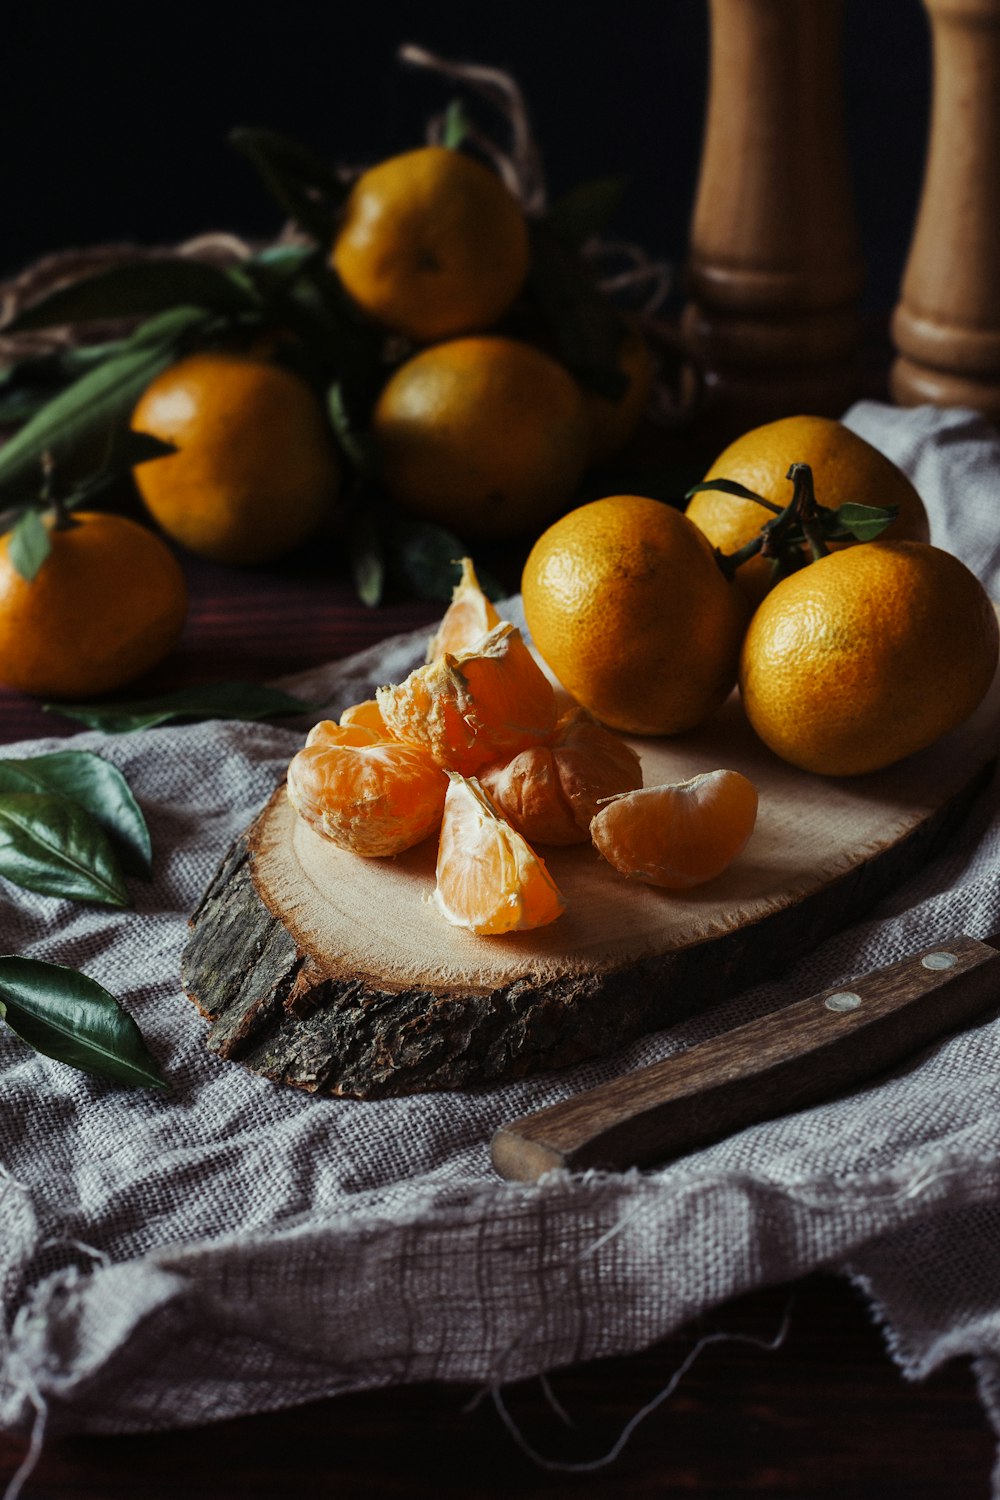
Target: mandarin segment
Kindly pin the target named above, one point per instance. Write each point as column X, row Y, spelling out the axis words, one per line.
column 366, row 715
column 551, row 791
column 469, row 617
column 469, row 709
column 489, row 879
column 680, row 835
column 369, row 796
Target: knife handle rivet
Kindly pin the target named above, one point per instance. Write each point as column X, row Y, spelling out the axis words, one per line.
column 842, row 1000
column 939, row 960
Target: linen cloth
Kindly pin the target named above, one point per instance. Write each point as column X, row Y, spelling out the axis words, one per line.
column 232, row 1246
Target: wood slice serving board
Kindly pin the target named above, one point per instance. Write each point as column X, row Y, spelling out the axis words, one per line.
column 331, row 972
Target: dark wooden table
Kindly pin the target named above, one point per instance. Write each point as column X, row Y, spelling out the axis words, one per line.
column 826, row 1414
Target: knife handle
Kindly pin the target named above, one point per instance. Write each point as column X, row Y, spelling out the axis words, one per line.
column 789, row 1058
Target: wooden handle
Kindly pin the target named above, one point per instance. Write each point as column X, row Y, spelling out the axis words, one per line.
column 785, row 1060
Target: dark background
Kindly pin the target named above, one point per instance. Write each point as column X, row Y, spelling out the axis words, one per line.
column 116, row 114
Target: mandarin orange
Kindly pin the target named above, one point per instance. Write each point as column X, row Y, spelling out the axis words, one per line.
column 256, row 469
column 107, row 604
column 627, row 605
column 845, row 467
column 471, row 708
column 867, row 656
column 551, row 791
column 367, row 795
column 489, row 879
column 432, row 244
column 469, row 617
column 485, row 435
column 681, row 835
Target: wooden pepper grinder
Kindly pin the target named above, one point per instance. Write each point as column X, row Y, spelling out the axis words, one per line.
column 947, row 324
column 774, row 270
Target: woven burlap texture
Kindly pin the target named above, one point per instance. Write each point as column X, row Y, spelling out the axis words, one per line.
column 233, row 1246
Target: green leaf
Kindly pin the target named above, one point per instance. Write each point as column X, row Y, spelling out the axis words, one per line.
column 586, row 327
column 94, row 784
column 305, row 186
column 218, row 700
column 29, row 545
column 456, row 126
column 864, row 522
column 138, row 289
column 359, row 445
column 423, row 558
column 73, row 1019
column 586, row 209
column 733, row 487
column 367, row 560
column 96, row 400
column 55, row 847
column 28, row 383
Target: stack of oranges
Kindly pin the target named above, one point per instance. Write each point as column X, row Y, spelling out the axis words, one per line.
column 474, row 429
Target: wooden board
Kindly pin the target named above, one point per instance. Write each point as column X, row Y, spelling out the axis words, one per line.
column 330, row 972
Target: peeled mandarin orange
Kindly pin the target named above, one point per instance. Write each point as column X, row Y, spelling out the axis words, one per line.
column 485, row 435
column 255, row 470
column 551, row 791
column 489, row 879
column 367, row 795
column 626, row 603
column 366, row 715
column 681, row 835
column 432, row 244
column 471, row 708
column 867, row 656
column 107, row 604
column 469, row 617
column 844, row 467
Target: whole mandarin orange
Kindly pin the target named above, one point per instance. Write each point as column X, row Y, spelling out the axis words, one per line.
column 432, row 244
column 626, row 603
column 256, row 469
column 486, row 435
column 844, row 466
column 107, row 604
column 867, row 656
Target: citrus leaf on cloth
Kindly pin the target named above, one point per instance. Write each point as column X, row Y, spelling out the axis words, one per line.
column 94, row 784
column 216, row 700
column 66, row 1016
column 53, row 846
column 138, row 289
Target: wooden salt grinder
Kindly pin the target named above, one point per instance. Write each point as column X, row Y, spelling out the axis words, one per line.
column 774, row 270
column 947, row 324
